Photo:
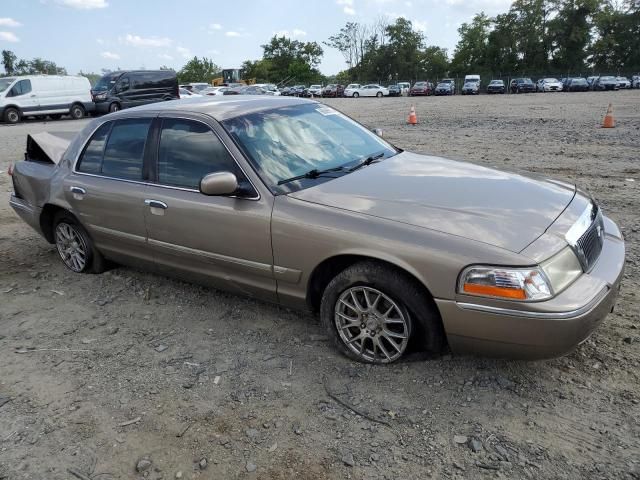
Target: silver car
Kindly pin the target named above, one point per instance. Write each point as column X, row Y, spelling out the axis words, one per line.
column 292, row 202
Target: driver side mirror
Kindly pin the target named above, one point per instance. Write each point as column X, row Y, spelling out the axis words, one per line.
column 219, row 183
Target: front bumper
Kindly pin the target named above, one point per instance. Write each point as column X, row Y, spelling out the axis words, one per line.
column 542, row 329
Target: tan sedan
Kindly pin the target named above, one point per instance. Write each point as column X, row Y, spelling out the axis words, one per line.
column 290, row 201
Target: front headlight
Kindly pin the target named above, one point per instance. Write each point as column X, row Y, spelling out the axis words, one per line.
column 528, row 283
column 100, row 96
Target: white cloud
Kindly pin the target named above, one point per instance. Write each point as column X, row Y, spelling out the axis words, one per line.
column 235, row 34
column 9, row 22
column 347, row 6
column 84, row 4
column 110, row 56
column 138, row 41
column 164, row 56
column 480, row 5
column 184, row 52
column 215, row 26
column 419, row 26
column 9, row 37
column 99, row 41
column 296, row 32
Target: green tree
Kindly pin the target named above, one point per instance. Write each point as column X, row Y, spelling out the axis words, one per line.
column 471, row 50
column 434, row 63
column 570, row 35
column 502, row 54
column 198, row 70
column 8, row 61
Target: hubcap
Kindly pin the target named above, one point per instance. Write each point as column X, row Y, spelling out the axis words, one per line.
column 13, row 117
column 71, row 247
column 371, row 324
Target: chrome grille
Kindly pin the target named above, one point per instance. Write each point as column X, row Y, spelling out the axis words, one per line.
column 586, row 237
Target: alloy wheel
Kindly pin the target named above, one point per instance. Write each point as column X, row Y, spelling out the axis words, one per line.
column 71, row 247
column 371, row 324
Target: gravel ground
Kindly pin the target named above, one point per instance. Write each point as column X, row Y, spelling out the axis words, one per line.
column 131, row 375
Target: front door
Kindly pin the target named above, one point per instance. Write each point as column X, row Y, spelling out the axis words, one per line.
column 106, row 190
column 224, row 241
column 23, row 95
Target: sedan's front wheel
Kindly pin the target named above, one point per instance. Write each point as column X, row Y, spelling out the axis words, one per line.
column 372, row 312
column 355, row 95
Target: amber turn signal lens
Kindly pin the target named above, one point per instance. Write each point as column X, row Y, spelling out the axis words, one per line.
column 492, row 291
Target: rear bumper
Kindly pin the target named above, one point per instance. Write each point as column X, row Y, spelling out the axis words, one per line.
column 546, row 330
column 28, row 213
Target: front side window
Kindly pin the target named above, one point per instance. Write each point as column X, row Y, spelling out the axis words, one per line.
column 188, row 151
column 289, row 141
column 117, row 150
column 20, row 88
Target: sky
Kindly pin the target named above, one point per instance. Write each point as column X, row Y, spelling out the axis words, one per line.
column 89, row 35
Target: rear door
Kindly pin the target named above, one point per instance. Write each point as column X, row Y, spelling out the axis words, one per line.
column 107, row 190
column 224, row 241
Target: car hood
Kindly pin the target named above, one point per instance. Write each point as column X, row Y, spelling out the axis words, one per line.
column 498, row 208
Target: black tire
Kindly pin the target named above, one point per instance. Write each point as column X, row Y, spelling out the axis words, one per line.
column 12, row 115
column 356, row 94
column 114, row 107
column 94, row 261
column 55, row 116
column 379, row 94
column 425, row 329
column 77, row 112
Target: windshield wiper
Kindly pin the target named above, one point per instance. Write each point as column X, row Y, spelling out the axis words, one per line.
column 315, row 173
column 367, row 161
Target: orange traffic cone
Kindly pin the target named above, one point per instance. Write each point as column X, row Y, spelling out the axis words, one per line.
column 413, row 118
column 609, row 121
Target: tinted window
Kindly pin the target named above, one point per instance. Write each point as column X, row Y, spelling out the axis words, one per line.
column 91, row 159
column 144, row 80
column 188, row 151
column 125, row 148
column 20, row 88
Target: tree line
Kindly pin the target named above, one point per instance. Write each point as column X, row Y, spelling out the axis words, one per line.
column 534, row 37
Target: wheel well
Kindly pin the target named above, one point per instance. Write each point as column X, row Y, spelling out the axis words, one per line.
column 49, row 212
column 329, row 268
column 15, row 107
column 78, row 104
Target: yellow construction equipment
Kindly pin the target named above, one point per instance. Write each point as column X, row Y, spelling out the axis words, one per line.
column 232, row 75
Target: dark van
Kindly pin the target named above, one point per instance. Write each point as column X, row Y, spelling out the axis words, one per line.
column 125, row 89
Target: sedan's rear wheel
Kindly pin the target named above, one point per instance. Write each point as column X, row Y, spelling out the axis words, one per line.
column 379, row 94
column 74, row 245
column 374, row 312
column 356, row 94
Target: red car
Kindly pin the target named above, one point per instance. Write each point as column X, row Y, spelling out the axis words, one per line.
column 421, row 88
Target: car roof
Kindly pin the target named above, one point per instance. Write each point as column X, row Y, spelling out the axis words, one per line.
column 221, row 107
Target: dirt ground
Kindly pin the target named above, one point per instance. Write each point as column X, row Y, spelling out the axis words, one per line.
column 103, row 374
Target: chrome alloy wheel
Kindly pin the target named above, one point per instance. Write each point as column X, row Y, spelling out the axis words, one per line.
column 71, row 247
column 371, row 324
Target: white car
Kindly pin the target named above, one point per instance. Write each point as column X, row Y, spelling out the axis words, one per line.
column 40, row 95
column 549, row 85
column 404, row 88
column 371, row 90
column 213, row 91
column 269, row 88
column 184, row 93
column 351, row 89
column 623, row 82
column 315, row 90
column 635, row 81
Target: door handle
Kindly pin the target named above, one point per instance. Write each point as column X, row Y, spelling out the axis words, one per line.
column 78, row 192
column 156, row 204
column 33, row 95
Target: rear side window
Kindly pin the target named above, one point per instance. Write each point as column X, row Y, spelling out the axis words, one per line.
column 117, row 151
column 91, row 159
column 188, row 151
column 21, row 88
column 125, row 148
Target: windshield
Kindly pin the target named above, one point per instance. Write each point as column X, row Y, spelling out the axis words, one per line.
column 315, row 86
column 289, row 141
column 105, row 83
column 5, row 82
column 496, row 82
column 551, row 80
column 353, row 85
column 607, row 79
column 419, row 84
column 579, row 80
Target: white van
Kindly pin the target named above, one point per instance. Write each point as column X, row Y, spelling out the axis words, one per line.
column 36, row 95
